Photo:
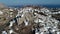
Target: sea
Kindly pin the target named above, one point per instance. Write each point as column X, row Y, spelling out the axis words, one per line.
column 47, row 6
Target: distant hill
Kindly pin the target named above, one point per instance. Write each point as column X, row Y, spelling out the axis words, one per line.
column 2, row 5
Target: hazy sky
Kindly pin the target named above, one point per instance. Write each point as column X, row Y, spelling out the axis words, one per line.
column 20, row 2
